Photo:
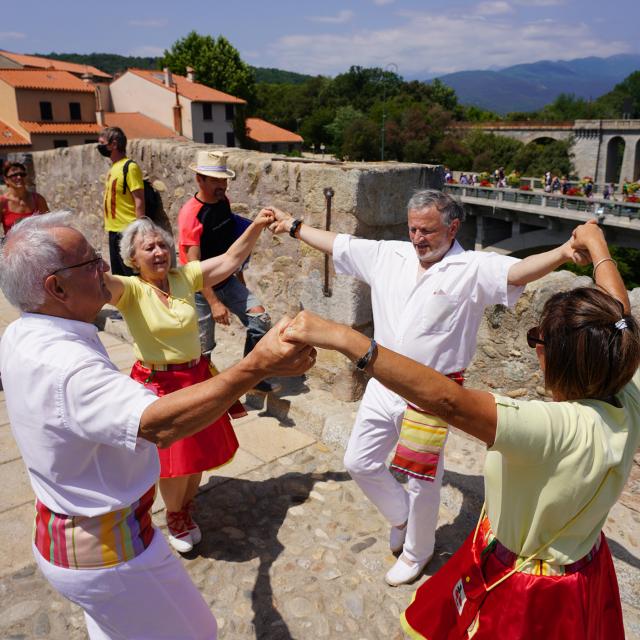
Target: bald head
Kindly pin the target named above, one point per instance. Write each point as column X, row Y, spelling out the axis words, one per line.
column 32, row 251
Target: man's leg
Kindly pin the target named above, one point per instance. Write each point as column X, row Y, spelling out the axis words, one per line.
column 206, row 326
column 374, row 436
column 118, row 267
column 248, row 309
column 151, row 596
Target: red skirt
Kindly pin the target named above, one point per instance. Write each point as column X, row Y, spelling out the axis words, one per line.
column 583, row 605
column 211, row 447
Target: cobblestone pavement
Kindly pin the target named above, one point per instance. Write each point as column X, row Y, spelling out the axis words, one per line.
column 291, row 549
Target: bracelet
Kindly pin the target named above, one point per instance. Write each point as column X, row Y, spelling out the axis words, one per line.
column 295, row 225
column 597, row 264
column 367, row 357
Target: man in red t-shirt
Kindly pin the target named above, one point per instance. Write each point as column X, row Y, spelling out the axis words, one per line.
column 207, row 227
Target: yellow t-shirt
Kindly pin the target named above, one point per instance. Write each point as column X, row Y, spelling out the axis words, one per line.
column 119, row 208
column 548, row 460
column 163, row 335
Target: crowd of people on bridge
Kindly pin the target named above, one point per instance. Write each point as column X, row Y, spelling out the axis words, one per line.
column 95, row 442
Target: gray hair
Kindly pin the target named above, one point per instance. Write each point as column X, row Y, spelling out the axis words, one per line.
column 141, row 227
column 450, row 209
column 28, row 255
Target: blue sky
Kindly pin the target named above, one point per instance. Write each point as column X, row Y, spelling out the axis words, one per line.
column 420, row 38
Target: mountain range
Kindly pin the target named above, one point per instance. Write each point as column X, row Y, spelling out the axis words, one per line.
column 527, row 87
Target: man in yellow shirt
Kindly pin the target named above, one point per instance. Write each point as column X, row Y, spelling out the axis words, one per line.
column 123, row 194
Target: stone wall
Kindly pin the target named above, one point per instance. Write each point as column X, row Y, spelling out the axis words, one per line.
column 369, row 201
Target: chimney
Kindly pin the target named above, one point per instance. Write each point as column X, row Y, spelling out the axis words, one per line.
column 190, row 74
column 177, row 115
column 100, row 117
column 168, row 77
column 99, row 107
column 87, row 77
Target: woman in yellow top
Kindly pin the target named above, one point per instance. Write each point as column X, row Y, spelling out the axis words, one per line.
column 538, row 565
column 158, row 306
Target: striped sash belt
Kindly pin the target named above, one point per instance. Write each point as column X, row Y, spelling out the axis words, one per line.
column 422, row 436
column 84, row 542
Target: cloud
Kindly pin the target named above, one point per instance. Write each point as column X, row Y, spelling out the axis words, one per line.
column 343, row 16
column 12, row 35
column 147, row 50
column 381, row 3
column 493, row 8
column 425, row 43
column 149, row 23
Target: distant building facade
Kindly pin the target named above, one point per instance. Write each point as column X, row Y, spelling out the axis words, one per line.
column 272, row 139
column 189, row 108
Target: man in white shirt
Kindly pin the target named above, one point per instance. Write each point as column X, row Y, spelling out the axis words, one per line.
column 428, row 297
column 89, row 435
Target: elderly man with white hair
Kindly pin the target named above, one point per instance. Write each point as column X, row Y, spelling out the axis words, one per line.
column 428, row 296
column 88, row 436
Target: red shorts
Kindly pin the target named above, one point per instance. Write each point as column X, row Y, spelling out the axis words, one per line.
column 212, row 447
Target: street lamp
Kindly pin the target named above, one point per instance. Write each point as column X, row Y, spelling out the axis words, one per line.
column 322, row 147
column 384, row 105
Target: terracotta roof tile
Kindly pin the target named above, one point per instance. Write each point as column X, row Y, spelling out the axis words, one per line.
column 137, row 125
column 195, row 91
column 62, row 127
column 262, row 131
column 11, row 138
column 49, row 80
column 49, row 63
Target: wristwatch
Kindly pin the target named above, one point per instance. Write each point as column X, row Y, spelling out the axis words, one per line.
column 294, row 227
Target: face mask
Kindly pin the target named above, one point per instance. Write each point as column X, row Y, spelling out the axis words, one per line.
column 104, row 150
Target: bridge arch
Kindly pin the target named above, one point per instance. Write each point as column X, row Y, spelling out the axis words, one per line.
column 636, row 167
column 615, row 154
column 543, row 139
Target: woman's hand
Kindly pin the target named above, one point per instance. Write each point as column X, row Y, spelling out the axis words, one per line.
column 584, row 239
column 308, row 328
column 264, row 218
column 282, row 221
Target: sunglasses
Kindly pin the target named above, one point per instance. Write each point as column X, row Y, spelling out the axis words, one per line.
column 533, row 337
column 21, row 174
column 95, row 262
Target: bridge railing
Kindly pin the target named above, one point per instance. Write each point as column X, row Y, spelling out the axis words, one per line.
column 594, row 206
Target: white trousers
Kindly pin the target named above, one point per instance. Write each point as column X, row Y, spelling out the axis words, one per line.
column 375, row 434
column 150, row 597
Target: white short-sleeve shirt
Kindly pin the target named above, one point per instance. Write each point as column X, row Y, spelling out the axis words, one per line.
column 75, row 417
column 433, row 319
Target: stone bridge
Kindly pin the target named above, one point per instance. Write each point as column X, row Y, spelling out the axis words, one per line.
column 606, row 150
column 510, row 221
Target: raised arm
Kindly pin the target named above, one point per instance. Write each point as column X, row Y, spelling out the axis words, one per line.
column 540, row 264
column 116, row 288
column 469, row 410
column 316, row 238
column 589, row 239
column 216, row 269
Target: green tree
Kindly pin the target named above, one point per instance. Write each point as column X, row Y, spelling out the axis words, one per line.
column 216, row 63
column 534, row 159
column 344, row 118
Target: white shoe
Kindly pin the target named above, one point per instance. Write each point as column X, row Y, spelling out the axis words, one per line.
column 182, row 543
column 405, row 571
column 396, row 538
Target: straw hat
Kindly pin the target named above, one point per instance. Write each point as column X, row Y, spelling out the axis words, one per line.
column 212, row 163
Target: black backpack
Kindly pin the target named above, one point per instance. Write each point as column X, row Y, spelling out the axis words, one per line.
column 152, row 199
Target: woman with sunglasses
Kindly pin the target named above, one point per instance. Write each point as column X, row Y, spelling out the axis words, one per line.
column 537, row 565
column 18, row 202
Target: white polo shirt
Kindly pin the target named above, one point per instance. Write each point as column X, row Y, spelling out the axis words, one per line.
column 75, row 417
column 433, row 319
